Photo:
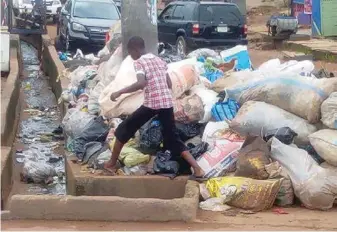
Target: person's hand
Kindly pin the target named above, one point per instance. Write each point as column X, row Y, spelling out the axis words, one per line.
column 114, row 96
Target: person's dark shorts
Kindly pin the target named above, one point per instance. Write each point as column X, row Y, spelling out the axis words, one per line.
column 127, row 129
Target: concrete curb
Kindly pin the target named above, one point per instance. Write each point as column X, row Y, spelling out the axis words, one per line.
column 10, row 104
column 106, row 208
column 6, row 174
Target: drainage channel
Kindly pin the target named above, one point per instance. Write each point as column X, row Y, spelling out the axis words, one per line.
column 39, row 166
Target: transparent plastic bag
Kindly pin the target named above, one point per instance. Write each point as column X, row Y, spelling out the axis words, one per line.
column 75, row 121
column 38, row 172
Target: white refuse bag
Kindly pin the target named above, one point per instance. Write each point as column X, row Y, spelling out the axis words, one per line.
column 329, row 111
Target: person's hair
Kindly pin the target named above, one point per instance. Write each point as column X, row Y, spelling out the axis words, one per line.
column 136, row 42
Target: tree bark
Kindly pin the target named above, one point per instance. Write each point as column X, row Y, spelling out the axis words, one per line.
column 137, row 22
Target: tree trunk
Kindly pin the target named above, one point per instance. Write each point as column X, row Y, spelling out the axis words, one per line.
column 137, row 22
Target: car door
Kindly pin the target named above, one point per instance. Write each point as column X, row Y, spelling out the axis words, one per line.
column 164, row 24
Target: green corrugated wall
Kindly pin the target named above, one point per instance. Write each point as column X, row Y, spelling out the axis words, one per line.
column 329, row 17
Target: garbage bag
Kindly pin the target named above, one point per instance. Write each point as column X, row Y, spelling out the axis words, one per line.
column 252, row 159
column 222, row 156
column 37, row 171
column 131, row 157
column 315, row 186
column 187, row 131
column 205, row 52
column 183, row 77
column 188, row 109
column 215, row 204
column 245, row 193
column 164, row 164
column 208, row 98
column 285, row 134
column 255, row 118
column 82, row 73
column 329, row 111
column 75, row 121
column 95, row 130
column 150, row 135
column 325, row 143
column 293, row 93
column 227, row 110
column 168, row 53
column 138, row 170
column 198, row 150
column 240, row 54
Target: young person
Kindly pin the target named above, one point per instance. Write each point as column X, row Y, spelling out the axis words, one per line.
column 153, row 78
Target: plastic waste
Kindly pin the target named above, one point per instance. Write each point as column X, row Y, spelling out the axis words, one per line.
column 131, row 157
column 38, row 172
column 312, row 152
column 245, row 193
column 325, row 144
column 256, row 118
column 212, row 131
column 285, row 134
column 150, row 135
column 224, row 111
column 223, row 154
column 164, row 164
column 240, row 54
column 188, row 109
column 71, row 120
column 329, row 111
column 198, row 150
column 203, row 52
column 214, row 204
column 187, row 131
column 315, row 186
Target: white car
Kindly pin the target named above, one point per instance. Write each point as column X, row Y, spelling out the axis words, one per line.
column 27, row 6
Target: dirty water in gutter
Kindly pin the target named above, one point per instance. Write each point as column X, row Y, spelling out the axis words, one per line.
column 40, row 116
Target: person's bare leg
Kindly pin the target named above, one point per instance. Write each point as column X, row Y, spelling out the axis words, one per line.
column 111, row 164
column 197, row 171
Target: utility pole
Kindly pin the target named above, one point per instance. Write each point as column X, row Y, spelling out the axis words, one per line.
column 139, row 18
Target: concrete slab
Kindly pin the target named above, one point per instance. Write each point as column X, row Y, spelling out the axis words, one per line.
column 6, row 174
column 107, row 208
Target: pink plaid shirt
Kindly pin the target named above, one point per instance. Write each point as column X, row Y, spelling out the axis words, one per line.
column 156, row 92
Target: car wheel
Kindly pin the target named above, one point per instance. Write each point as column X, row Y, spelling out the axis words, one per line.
column 181, row 46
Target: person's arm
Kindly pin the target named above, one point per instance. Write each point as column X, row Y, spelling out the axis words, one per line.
column 168, row 81
column 140, row 84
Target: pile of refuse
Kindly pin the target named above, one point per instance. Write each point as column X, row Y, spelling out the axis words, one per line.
column 263, row 136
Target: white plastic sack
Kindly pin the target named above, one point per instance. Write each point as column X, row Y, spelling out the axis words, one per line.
column 270, row 65
column 299, row 95
column 182, row 79
column 205, row 52
column 106, row 73
column 256, row 118
column 315, row 186
column 82, row 73
column 208, row 97
column 38, row 171
column 325, row 144
column 329, row 111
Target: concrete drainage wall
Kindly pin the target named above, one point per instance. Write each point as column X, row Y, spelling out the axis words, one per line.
column 148, row 198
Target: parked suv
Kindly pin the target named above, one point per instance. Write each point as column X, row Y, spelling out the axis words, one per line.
column 86, row 22
column 196, row 24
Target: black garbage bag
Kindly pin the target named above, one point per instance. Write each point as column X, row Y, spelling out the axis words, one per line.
column 96, row 131
column 168, row 53
column 312, row 152
column 151, row 136
column 164, row 164
column 187, row 131
column 285, row 134
column 199, row 150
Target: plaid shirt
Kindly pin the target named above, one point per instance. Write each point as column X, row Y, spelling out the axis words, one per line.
column 156, row 92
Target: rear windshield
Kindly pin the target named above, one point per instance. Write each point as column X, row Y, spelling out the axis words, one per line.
column 227, row 14
column 95, row 10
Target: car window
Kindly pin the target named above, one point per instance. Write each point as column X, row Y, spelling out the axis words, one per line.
column 168, row 12
column 229, row 14
column 68, row 6
column 178, row 12
column 96, row 10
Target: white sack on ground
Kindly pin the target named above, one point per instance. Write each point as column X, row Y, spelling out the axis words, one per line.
column 208, row 97
column 299, row 95
column 82, row 73
column 256, row 118
column 315, row 186
column 106, row 73
column 183, row 77
column 325, row 144
column 329, row 111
